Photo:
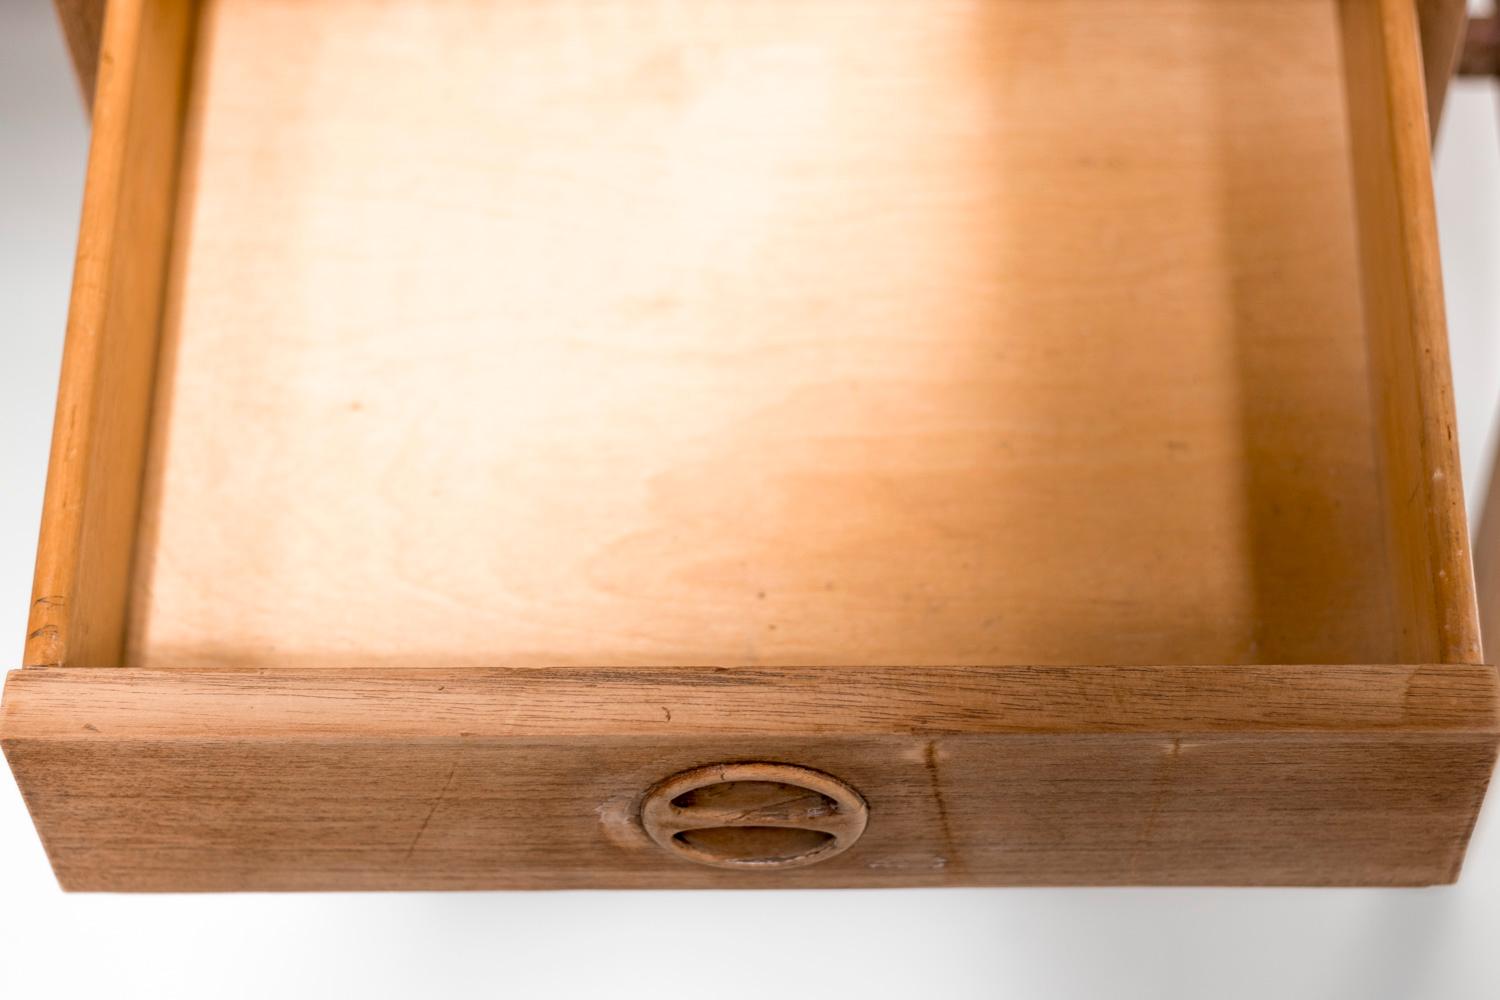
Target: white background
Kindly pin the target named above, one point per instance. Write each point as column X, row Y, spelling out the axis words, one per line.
column 1434, row 944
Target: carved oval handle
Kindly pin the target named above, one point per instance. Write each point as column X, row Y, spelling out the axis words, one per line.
column 754, row 815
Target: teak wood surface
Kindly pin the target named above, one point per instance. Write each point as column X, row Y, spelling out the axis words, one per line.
column 449, row 450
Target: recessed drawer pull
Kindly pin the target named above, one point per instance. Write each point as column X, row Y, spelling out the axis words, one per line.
column 755, row 816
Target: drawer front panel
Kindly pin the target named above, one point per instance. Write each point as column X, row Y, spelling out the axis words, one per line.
column 520, row 779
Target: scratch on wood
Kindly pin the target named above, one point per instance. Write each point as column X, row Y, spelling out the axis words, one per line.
column 929, row 759
column 1161, row 785
column 448, row 783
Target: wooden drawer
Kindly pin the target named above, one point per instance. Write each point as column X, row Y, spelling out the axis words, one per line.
column 1002, row 442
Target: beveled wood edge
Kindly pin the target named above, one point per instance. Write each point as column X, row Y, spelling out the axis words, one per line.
column 545, row 703
column 95, row 470
column 1447, row 519
column 1410, row 382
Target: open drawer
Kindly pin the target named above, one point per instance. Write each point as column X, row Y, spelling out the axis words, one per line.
column 545, row 443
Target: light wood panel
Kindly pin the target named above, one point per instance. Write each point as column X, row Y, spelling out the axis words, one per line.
column 1442, row 27
column 531, row 778
column 776, row 333
column 1403, row 289
column 89, row 516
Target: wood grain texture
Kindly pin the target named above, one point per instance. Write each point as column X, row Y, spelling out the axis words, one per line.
column 531, row 778
column 829, row 333
column 1441, row 24
column 632, row 336
column 1403, row 289
column 89, row 516
column 83, row 27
